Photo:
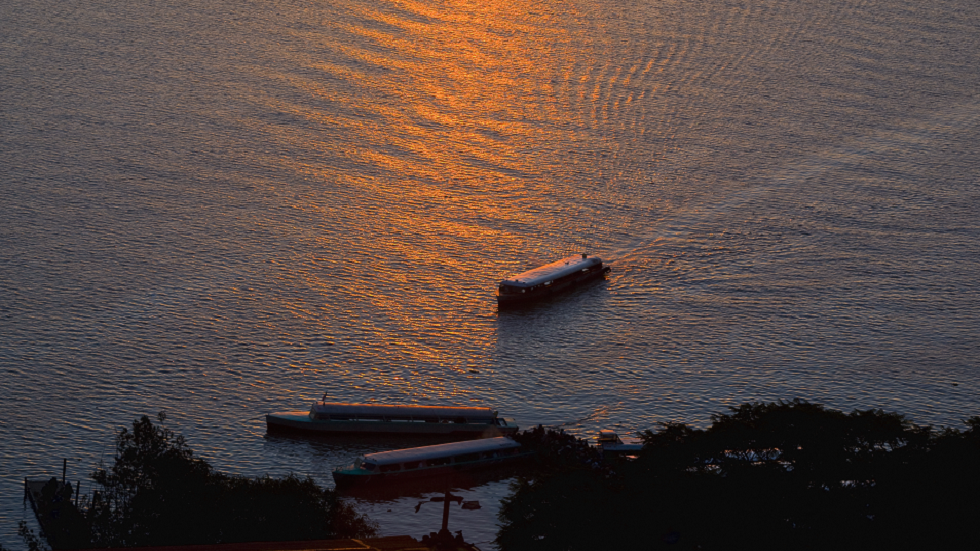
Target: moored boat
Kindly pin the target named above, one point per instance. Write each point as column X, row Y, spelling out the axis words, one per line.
column 428, row 461
column 549, row 279
column 610, row 443
column 407, row 420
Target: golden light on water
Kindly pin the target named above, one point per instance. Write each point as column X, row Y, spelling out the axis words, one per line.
column 464, row 92
column 221, row 210
column 452, row 120
column 450, row 144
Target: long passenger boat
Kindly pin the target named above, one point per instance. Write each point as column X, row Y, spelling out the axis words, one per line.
column 428, row 461
column 549, row 279
column 408, row 420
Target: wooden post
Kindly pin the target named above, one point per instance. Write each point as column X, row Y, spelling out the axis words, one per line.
column 445, row 510
column 64, row 472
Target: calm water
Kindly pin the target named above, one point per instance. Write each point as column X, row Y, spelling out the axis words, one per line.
column 223, row 209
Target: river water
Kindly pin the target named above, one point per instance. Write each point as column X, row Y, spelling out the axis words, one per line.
column 221, row 209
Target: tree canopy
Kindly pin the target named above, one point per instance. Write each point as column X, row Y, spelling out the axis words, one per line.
column 156, row 492
column 764, row 475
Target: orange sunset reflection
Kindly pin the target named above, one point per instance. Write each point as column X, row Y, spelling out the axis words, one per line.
column 446, row 146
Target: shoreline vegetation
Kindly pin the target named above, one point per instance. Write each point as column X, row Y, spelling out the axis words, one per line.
column 157, row 493
column 782, row 475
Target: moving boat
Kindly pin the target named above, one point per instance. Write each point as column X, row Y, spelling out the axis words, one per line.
column 549, row 279
column 409, row 420
column 428, row 461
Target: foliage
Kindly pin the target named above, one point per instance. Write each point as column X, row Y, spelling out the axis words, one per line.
column 557, row 450
column 766, row 475
column 158, row 493
column 31, row 539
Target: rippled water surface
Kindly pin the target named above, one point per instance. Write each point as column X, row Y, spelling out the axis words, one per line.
column 223, row 209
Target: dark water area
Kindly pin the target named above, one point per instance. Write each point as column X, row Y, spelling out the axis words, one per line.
column 224, row 209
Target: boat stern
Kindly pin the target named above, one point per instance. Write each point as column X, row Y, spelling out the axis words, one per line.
column 351, row 476
column 287, row 421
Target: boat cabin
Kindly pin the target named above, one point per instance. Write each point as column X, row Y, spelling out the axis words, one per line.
column 425, row 461
column 453, row 453
column 323, row 411
column 340, row 418
column 550, row 278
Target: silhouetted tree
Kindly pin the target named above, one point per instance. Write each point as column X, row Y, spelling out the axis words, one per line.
column 766, row 476
column 157, row 493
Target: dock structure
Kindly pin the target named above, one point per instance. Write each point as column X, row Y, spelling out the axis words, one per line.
column 59, row 518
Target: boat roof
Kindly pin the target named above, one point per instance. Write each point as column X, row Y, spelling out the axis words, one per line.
column 440, row 450
column 402, row 410
column 554, row 270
